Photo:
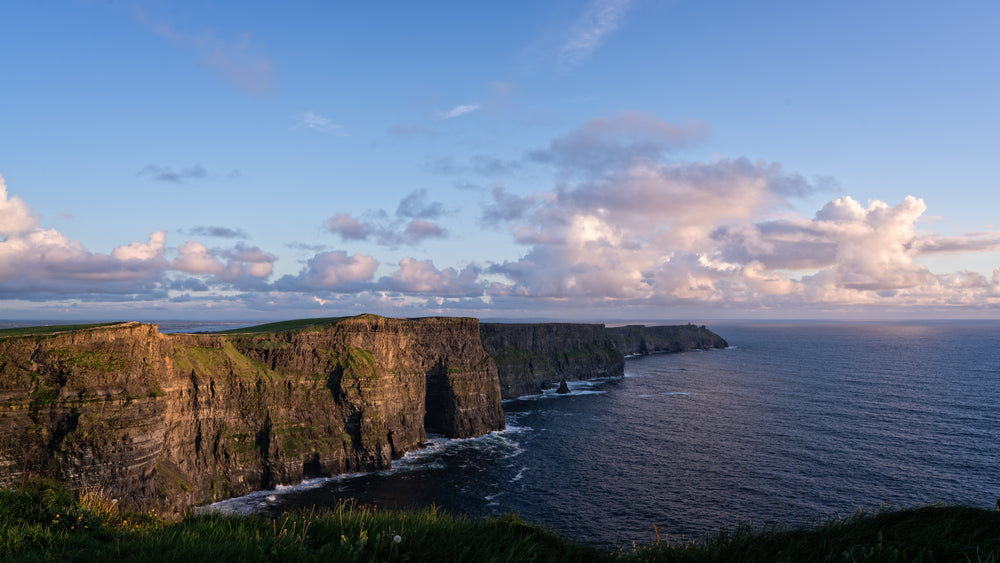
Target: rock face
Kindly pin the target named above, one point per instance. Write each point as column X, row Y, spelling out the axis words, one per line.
column 175, row 420
column 532, row 357
column 632, row 340
column 170, row 421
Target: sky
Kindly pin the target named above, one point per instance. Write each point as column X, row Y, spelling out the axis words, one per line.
column 592, row 160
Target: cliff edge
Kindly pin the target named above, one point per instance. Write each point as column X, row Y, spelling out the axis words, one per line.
column 639, row 340
column 533, row 357
column 174, row 420
column 169, row 421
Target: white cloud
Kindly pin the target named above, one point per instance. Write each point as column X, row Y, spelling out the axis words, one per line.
column 457, row 111
column 642, row 230
column 603, row 144
column 195, row 258
column 316, row 122
column 422, row 277
column 142, row 252
column 410, row 226
column 15, row 215
column 601, row 18
column 242, row 263
column 334, row 271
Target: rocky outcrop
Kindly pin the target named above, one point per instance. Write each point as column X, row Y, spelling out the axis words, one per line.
column 533, row 357
column 639, row 340
column 170, row 421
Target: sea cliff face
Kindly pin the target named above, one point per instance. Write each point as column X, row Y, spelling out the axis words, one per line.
column 639, row 340
column 170, row 421
column 532, row 357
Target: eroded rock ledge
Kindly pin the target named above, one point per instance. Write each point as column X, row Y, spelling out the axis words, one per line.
column 174, row 420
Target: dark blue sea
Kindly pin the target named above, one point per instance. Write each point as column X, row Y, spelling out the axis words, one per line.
column 792, row 424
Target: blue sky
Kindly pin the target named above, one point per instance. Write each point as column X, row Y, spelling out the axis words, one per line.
column 604, row 160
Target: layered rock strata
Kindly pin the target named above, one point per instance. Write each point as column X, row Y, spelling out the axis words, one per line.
column 175, row 420
column 533, row 357
column 639, row 340
column 170, row 421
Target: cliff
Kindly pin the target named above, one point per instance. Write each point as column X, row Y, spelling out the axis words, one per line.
column 640, row 340
column 532, row 357
column 170, row 421
column 174, row 420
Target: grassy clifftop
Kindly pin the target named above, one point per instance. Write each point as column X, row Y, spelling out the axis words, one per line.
column 43, row 521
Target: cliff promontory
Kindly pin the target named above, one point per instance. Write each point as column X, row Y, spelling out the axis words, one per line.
column 173, row 420
column 639, row 340
column 532, row 357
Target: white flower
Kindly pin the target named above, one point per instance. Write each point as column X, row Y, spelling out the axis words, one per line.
column 397, row 539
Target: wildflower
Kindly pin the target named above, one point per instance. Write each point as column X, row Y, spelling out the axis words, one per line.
column 397, row 538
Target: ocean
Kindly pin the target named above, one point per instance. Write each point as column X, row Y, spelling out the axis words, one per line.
column 794, row 423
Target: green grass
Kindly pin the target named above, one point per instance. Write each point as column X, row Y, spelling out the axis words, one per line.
column 43, row 521
column 213, row 361
column 930, row 533
column 33, row 330
column 283, row 326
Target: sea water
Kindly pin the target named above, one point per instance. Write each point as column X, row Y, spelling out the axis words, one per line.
column 792, row 424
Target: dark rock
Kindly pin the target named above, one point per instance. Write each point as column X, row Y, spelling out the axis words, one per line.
column 532, row 357
column 563, row 388
column 640, row 340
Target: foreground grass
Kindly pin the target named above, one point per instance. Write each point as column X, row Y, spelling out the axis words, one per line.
column 43, row 521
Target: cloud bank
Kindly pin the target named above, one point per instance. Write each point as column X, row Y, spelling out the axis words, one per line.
column 623, row 230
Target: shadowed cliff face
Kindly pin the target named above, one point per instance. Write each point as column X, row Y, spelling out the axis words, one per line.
column 532, row 357
column 175, row 420
column 633, row 340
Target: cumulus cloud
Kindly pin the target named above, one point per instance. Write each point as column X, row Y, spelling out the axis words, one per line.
column 422, row 277
column 36, row 261
column 151, row 250
column 420, row 229
column 335, row 271
column 15, row 215
column 639, row 228
column 608, row 143
column 348, row 227
column 242, row 263
column 45, row 261
column 411, row 224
